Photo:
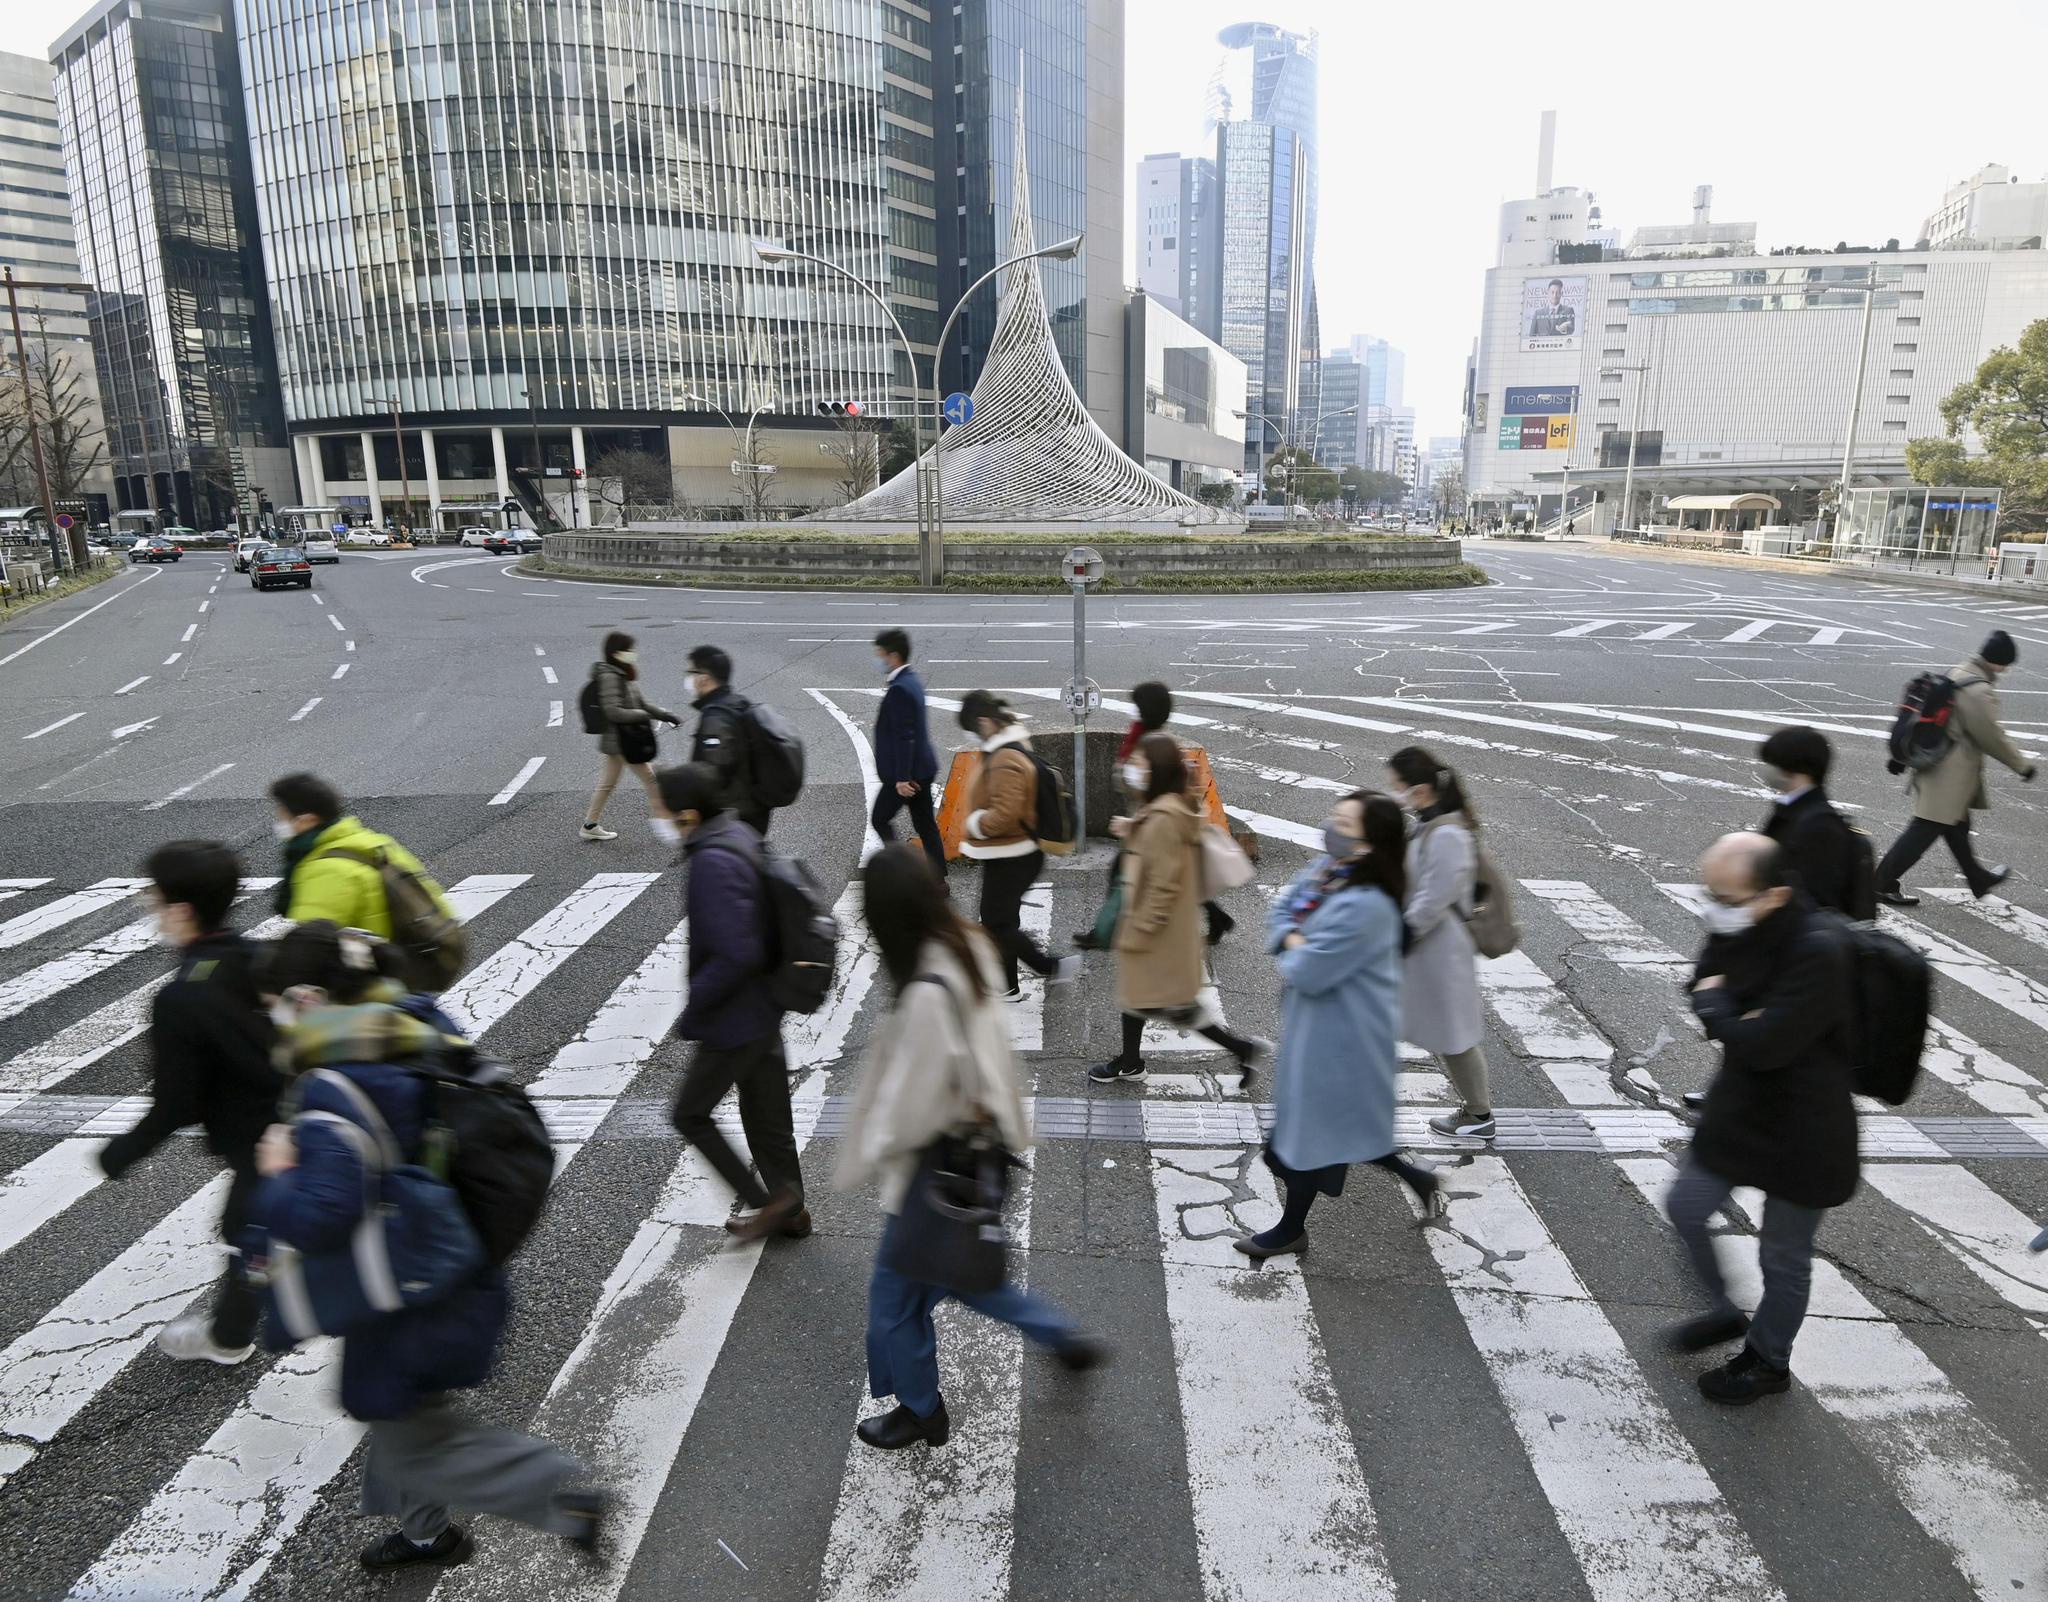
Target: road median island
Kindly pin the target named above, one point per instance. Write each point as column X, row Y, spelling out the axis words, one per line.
column 1009, row 563
column 13, row 605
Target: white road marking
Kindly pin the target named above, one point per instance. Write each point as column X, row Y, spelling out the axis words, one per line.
column 51, row 728
column 554, row 714
column 348, row 645
column 127, row 729
column 1486, row 628
column 518, row 782
column 539, row 650
column 173, row 657
column 45, row 1186
column 10, row 888
column 494, row 986
column 203, row 605
column 548, row 673
column 1826, row 636
column 1577, row 630
column 1615, row 936
column 623, row 1033
column 1642, row 1515
column 1999, row 913
column 133, row 684
column 1664, row 631
column 1974, row 1224
column 1959, row 1479
column 1438, row 709
column 338, row 672
column 337, row 623
column 1273, row 828
column 59, row 974
column 1748, row 631
column 190, row 630
column 20, row 651
column 186, row 789
column 1262, row 1433
column 1546, row 1027
column 299, row 715
column 2017, row 993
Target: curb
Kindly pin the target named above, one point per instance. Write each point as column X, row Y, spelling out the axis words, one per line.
column 1782, row 564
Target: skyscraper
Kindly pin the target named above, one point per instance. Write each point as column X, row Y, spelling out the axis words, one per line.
column 1179, row 228
column 1266, row 171
column 150, row 102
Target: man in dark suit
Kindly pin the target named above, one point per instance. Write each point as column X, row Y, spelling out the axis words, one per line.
column 1818, row 846
column 1553, row 319
column 905, row 760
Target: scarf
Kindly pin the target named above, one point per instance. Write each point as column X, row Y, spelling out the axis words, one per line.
column 296, row 850
column 375, row 1029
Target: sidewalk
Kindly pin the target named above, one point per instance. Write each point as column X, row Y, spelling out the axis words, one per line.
column 1877, row 573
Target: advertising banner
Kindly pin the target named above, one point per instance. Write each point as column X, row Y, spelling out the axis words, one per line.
column 1543, row 402
column 1553, row 312
column 1510, row 434
column 1535, row 434
column 1560, row 438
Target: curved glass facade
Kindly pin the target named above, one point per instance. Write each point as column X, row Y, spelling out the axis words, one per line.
column 477, row 207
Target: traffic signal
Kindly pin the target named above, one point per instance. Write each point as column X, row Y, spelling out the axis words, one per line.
column 850, row 408
column 575, row 472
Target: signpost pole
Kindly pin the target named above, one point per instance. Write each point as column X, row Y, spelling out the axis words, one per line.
column 1081, row 566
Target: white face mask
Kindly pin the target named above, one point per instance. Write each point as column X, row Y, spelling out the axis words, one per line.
column 284, row 829
column 1136, row 778
column 1722, row 919
column 283, row 1015
column 626, row 658
column 665, row 831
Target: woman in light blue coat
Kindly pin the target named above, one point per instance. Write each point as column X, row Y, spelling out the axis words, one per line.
column 1336, row 939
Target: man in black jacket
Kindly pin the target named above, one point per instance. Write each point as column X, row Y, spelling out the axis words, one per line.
column 1816, row 845
column 210, row 1041
column 721, row 737
column 1773, row 987
column 906, row 762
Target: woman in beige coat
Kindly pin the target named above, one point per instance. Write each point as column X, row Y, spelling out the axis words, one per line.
column 1161, row 933
column 939, row 1064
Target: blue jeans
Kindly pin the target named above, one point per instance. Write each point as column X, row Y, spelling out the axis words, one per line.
column 1784, row 1253
column 903, row 1343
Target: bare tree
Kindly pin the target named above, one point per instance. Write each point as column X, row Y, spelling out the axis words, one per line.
column 756, row 461
column 621, row 478
column 857, row 448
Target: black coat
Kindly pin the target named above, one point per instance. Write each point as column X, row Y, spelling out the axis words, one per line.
column 903, row 741
column 209, row 1042
column 1817, row 844
column 1779, row 1114
column 721, row 740
column 732, row 937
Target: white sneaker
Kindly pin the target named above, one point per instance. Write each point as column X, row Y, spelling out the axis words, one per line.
column 190, row 1339
column 597, row 831
column 1065, row 971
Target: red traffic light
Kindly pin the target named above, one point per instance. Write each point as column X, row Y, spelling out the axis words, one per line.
column 852, row 408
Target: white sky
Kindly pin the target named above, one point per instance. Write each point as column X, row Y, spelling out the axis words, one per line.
column 1819, row 123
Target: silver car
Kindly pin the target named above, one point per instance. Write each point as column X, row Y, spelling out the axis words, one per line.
column 321, row 548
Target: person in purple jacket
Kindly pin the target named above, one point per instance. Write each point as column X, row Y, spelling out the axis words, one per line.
column 728, row 1010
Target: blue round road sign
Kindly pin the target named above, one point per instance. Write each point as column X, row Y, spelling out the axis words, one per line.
column 63, row 519
column 959, row 408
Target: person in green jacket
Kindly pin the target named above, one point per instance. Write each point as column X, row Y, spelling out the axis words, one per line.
column 321, row 882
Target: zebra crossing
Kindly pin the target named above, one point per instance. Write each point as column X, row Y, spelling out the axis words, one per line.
column 246, row 1476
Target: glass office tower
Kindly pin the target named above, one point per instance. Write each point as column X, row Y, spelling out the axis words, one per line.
column 150, row 106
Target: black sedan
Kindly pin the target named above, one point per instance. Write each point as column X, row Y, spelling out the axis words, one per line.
column 512, row 542
column 155, row 549
column 275, row 566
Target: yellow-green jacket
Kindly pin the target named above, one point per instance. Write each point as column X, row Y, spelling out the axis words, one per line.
column 342, row 890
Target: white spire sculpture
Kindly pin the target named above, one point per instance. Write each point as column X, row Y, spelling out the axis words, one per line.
column 1032, row 453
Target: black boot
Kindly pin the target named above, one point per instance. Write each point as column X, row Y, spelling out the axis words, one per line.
column 1743, row 1379
column 899, row 1427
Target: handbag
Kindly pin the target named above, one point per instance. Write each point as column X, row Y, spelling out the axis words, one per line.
column 1224, row 864
column 412, row 1246
column 950, row 1233
column 637, row 742
column 1108, row 917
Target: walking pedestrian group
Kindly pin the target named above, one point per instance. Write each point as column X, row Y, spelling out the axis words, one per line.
column 383, row 1171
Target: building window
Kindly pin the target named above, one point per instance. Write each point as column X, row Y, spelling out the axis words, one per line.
column 1894, row 425
column 1613, row 353
column 1617, row 328
column 1898, row 400
column 1906, row 322
column 1900, row 372
column 1907, row 349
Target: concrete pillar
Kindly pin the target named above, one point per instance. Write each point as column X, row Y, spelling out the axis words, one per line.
column 311, row 489
column 576, row 484
column 433, row 478
column 498, row 459
column 370, row 478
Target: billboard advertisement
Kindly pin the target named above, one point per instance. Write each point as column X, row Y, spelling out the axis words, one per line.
column 1539, row 420
column 1541, row 402
column 1553, row 312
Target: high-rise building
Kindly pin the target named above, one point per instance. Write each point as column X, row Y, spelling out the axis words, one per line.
column 149, row 100
column 1179, row 230
column 1266, row 173
column 38, row 243
column 1989, row 210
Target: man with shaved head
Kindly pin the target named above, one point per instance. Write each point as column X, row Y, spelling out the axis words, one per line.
column 1773, row 987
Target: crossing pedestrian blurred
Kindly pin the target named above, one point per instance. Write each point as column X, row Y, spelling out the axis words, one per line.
column 1774, row 987
column 1440, row 1009
column 1001, row 835
column 729, row 1011
column 350, row 1034
column 1945, row 794
column 905, row 761
column 1159, row 933
column 1819, row 849
column 756, row 754
column 940, row 1066
column 1336, row 940
column 209, row 1045
column 623, row 720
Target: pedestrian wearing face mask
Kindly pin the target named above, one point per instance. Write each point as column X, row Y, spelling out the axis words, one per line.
column 1336, row 940
column 1774, row 988
column 1440, row 1009
column 906, row 764
column 1946, row 794
column 729, row 1011
column 623, row 721
column 331, row 858
column 209, row 1045
column 1159, row 936
column 1823, row 852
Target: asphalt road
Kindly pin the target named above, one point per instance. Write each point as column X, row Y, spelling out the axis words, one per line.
column 1482, row 1411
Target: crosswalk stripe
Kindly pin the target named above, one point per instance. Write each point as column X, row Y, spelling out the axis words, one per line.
column 1486, row 628
column 879, row 1544
column 1974, row 1224
column 1437, row 709
column 1663, row 631
column 623, row 1033
column 1749, row 631
column 1027, row 1017
column 1998, row 912
column 10, row 888
column 40, row 1189
column 1312, row 714
column 1639, row 1509
column 1956, row 1476
column 1764, row 722
column 1578, row 630
column 819, row 1039
column 1826, row 636
column 1617, row 938
column 2023, row 997
column 1548, row 1029
column 26, row 926
column 497, row 984
column 1280, row 1502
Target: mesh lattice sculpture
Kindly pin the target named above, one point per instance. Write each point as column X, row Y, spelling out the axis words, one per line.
column 1032, row 454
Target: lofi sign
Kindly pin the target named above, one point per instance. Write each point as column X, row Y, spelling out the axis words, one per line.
column 1539, row 419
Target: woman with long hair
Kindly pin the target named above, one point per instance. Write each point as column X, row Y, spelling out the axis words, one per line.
column 1002, row 835
column 1440, row 1009
column 939, row 1065
column 1336, row 940
column 626, row 736
column 1159, row 936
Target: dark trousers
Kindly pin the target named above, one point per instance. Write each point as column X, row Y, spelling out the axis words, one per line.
column 1004, row 882
column 760, row 1074
column 1784, row 1254
column 1912, row 845
column 237, row 1305
column 433, row 1459
column 923, row 821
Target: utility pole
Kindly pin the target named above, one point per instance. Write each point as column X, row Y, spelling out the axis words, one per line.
column 1635, row 429
column 1856, row 396
column 59, row 551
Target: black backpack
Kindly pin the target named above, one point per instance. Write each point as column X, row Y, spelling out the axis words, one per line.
column 1862, row 890
column 1055, row 832
column 591, row 704
column 1921, row 735
column 775, row 756
column 804, row 935
column 1891, row 996
column 485, row 1138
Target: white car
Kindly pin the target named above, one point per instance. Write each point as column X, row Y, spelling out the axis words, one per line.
column 245, row 553
column 476, row 537
column 321, row 548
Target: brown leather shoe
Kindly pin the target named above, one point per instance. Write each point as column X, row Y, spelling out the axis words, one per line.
column 781, row 1211
column 799, row 1225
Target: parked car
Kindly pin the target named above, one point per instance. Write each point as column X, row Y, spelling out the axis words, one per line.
column 476, row 537
column 278, row 565
column 321, row 548
column 512, row 542
column 156, row 548
column 245, row 553
column 365, row 539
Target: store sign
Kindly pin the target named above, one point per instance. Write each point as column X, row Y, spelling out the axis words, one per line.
column 1539, row 419
column 1529, row 402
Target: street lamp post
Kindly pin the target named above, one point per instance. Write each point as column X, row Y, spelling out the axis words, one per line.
column 1259, row 450
column 930, row 508
column 1635, row 429
column 1315, row 436
column 1869, row 293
